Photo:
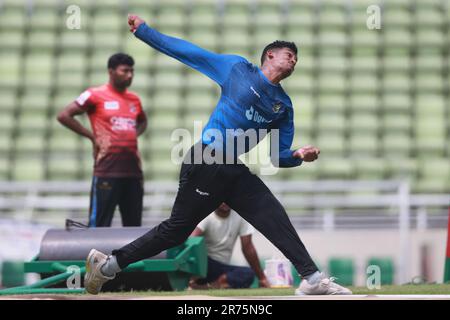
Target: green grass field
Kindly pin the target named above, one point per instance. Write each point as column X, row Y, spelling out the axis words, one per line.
column 422, row 289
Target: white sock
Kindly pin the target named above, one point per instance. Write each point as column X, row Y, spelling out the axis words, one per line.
column 314, row 278
column 111, row 267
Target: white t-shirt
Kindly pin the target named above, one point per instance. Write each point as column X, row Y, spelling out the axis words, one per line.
column 221, row 233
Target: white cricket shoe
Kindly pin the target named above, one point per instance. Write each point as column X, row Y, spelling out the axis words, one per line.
column 326, row 286
column 94, row 278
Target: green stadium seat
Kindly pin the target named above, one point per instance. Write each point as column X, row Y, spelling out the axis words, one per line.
column 64, row 97
column 38, row 70
column 36, row 101
column 163, row 119
column 10, row 71
column 7, row 123
column 363, row 122
column 203, row 15
column 369, row 168
column 8, row 102
column 397, row 64
column 108, row 21
column 363, row 38
column 300, row 81
column 300, row 15
column 397, row 37
column 363, row 82
column 396, row 17
column 198, row 82
column 332, row 83
column 201, row 101
column 335, row 168
column 71, row 40
column 394, row 122
column 237, row 16
column 62, row 139
column 398, row 143
column 268, row 19
column 13, row 274
column 28, row 168
column 64, row 166
column 160, row 168
column 364, row 143
column 429, row 15
column 397, row 82
column 343, row 269
column 430, row 82
column 30, row 142
column 364, row 102
column 110, row 41
column 205, row 38
column 431, row 37
column 332, row 38
column 233, row 38
column 263, row 37
column 97, row 78
column 4, row 165
column 171, row 18
column 42, row 41
column 334, row 64
column 433, row 175
column 32, row 121
column 44, row 17
column 11, row 40
column 396, row 102
column 331, row 144
column 303, row 38
column 331, row 122
column 13, row 17
column 429, row 62
column 168, row 80
column 332, row 15
column 399, row 167
column 166, row 100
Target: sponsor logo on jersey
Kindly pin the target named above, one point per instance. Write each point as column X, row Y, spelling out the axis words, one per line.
column 276, row 107
column 123, row 124
column 111, row 105
column 133, row 108
column 256, row 93
column 253, row 115
column 81, row 100
column 202, row 193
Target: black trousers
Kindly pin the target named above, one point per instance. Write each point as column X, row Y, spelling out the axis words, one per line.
column 202, row 188
column 107, row 193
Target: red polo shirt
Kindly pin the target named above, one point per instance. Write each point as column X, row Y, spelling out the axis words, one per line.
column 113, row 116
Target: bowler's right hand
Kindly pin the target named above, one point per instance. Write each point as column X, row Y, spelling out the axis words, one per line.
column 134, row 22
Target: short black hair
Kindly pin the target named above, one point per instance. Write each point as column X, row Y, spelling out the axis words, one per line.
column 120, row 58
column 278, row 44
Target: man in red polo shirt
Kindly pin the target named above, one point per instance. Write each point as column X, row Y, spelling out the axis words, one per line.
column 117, row 119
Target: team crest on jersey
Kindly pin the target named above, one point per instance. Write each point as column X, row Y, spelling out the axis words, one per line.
column 111, row 105
column 276, row 107
column 133, row 108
